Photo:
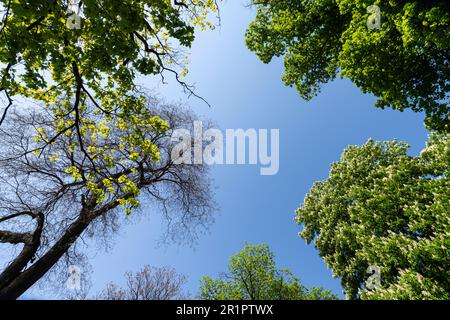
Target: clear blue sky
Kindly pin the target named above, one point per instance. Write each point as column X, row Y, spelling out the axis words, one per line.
column 245, row 93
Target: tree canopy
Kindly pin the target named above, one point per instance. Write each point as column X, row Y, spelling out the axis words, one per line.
column 404, row 63
column 381, row 207
column 50, row 203
column 85, row 74
column 81, row 142
column 252, row 275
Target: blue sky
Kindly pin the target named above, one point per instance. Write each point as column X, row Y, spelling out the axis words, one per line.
column 245, row 93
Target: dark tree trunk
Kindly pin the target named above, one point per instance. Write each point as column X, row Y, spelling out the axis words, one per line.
column 25, row 256
column 23, row 280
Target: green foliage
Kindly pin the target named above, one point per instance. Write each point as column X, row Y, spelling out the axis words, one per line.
column 85, row 76
column 405, row 63
column 382, row 207
column 253, row 276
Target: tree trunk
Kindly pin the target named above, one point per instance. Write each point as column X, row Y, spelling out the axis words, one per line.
column 25, row 279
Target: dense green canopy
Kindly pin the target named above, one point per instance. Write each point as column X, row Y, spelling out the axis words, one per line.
column 80, row 59
column 404, row 63
column 381, row 207
column 254, row 276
